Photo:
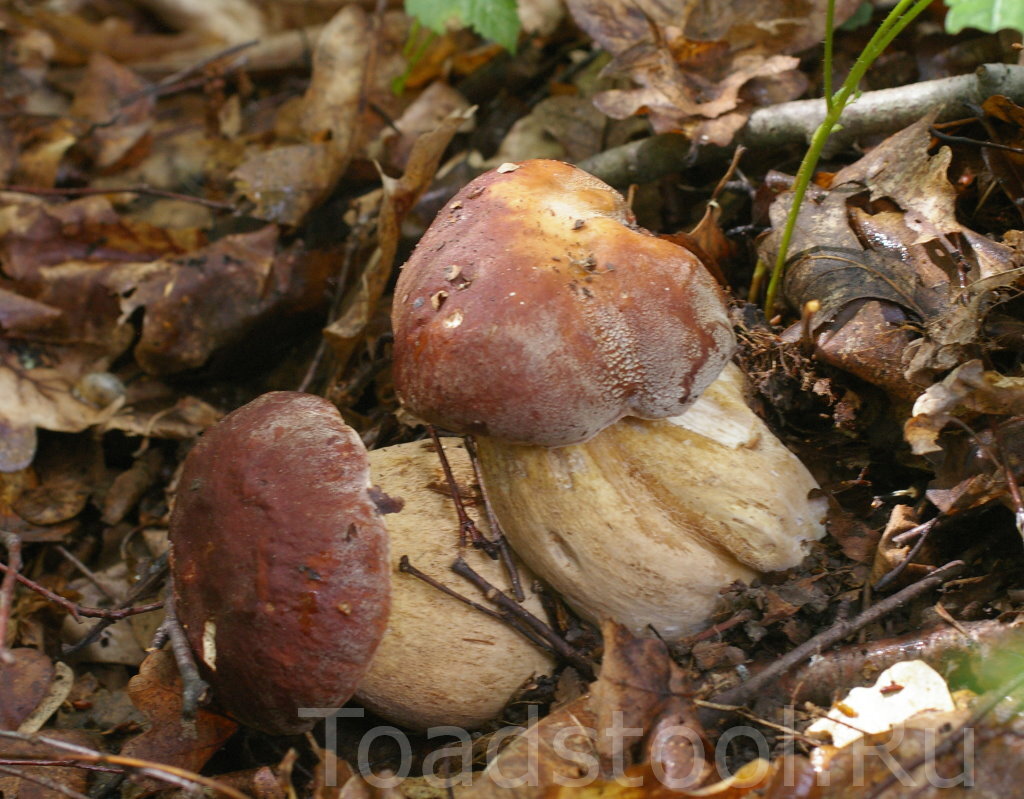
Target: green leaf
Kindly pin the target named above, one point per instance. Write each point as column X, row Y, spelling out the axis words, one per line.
column 985, row 15
column 860, row 18
column 496, row 20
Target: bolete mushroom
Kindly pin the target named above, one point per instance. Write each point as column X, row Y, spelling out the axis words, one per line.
column 534, row 314
column 441, row 661
column 283, row 580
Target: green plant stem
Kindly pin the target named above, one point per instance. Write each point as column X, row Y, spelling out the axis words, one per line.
column 902, row 14
column 830, row 31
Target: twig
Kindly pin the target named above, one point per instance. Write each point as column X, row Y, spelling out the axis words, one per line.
column 90, row 575
column 56, row 763
column 149, row 584
column 744, row 692
column 193, row 687
column 495, row 595
column 77, row 611
column 13, row 544
column 38, row 780
column 742, row 711
column 946, row 137
column 876, row 112
column 717, row 629
column 923, row 530
column 504, row 550
column 468, row 531
column 85, row 191
column 406, row 567
column 173, row 775
column 168, row 84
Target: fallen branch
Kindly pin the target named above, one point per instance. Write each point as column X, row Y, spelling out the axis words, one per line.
column 172, row 775
column 77, row 611
column 744, row 692
column 878, row 112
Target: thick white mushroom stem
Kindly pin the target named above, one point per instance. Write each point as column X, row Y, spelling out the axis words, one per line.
column 441, row 661
column 646, row 522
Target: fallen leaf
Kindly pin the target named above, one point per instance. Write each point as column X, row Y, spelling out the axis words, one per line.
column 215, row 297
column 399, row 197
column 170, row 739
column 115, row 128
column 692, row 60
column 24, row 683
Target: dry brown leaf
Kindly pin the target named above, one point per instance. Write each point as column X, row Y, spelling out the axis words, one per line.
column 399, row 197
column 214, row 297
column 285, row 183
column 424, row 114
column 969, row 387
column 691, row 59
column 24, row 683
column 116, row 128
column 901, row 170
column 356, row 58
column 171, row 740
column 37, row 387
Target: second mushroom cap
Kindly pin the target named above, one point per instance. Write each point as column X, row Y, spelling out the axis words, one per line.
column 535, row 311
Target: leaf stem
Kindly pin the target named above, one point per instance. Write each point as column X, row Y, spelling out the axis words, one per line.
column 901, row 15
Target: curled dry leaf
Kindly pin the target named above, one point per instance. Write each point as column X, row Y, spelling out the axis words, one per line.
column 892, row 266
column 115, row 130
column 399, row 198
column 692, row 62
column 356, row 58
column 215, row 297
column 969, row 387
column 24, row 683
column 169, row 739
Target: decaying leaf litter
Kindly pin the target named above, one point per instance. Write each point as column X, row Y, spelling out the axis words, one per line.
column 201, row 207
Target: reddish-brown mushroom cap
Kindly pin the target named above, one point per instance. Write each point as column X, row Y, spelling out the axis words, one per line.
column 533, row 310
column 280, row 560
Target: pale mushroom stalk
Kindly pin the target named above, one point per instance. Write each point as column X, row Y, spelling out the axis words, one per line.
column 534, row 314
column 648, row 521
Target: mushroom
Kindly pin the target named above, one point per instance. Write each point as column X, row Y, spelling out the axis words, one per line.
column 534, row 314
column 441, row 661
column 283, row 580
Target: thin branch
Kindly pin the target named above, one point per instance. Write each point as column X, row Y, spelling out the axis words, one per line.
column 89, row 574
column 504, row 550
column 13, row 544
column 39, row 780
column 77, row 611
column 170, row 83
column 173, row 775
column 406, row 567
column 85, row 191
column 149, row 584
column 193, row 687
column 506, row 603
column 744, row 692
column 468, row 531
column 886, row 579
